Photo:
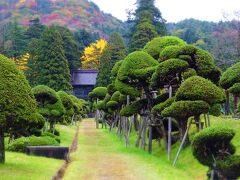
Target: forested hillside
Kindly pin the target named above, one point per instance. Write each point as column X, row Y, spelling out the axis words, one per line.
column 221, row 39
column 75, row 14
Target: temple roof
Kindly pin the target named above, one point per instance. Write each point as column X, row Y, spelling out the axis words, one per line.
column 84, row 77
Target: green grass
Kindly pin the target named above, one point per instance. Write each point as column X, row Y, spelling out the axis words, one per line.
column 19, row 166
column 155, row 166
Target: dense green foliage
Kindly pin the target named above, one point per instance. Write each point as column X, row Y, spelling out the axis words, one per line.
column 229, row 167
column 99, row 92
column 70, row 47
column 166, row 72
column 146, row 24
column 230, row 76
column 158, row 44
column 51, row 62
column 133, row 108
column 213, row 147
column 182, row 110
column 49, row 104
column 198, row 88
column 215, row 110
column 14, row 40
column 68, row 105
column 17, row 101
column 113, row 52
column 19, row 145
column 213, row 143
column 136, row 69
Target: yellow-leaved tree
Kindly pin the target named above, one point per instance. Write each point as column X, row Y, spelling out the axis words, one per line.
column 92, row 53
column 22, row 62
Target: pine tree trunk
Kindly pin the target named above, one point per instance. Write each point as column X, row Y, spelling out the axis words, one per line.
column 139, row 133
column 235, row 103
column 135, row 121
column 198, row 122
column 150, row 139
column 227, row 104
column 182, row 130
column 2, row 148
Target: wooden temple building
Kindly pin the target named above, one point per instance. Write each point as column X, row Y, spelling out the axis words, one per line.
column 83, row 81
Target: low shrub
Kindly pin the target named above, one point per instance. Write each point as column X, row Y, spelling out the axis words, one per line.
column 52, row 136
column 212, row 144
column 215, row 110
column 19, row 144
column 56, row 132
column 229, row 167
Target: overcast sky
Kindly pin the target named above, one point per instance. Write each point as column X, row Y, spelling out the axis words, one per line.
column 175, row 10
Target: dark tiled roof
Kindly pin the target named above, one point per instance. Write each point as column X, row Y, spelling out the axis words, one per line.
column 84, row 77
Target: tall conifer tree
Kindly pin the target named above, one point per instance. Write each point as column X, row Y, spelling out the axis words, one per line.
column 114, row 52
column 146, row 23
column 70, row 46
column 51, row 63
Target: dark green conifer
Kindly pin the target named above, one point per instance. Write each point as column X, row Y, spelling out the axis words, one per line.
column 51, row 63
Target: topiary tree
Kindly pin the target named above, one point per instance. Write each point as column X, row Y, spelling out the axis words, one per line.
column 136, row 70
column 199, row 60
column 49, row 104
column 212, row 147
column 182, row 110
column 197, row 88
column 169, row 73
column 230, row 82
column 17, row 101
column 79, row 108
column 156, row 46
column 133, row 79
column 99, row 93
column 68, row 105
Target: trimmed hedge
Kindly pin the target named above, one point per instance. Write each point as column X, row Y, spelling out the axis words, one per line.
column 230, row 76
column 19, row 145
column 169, row 52
column 198, row 88
column 182, row 110
column 111, row 89
column 235, row 89
column 116, row 96
column 136, row 65
column 212, row 142
column 127, row 89
column 155, row 46
column 113, row 105
column 99, row 92
column 133, row 108
column 115, row 70
column 215, row 110
column 229, row 167
column 189, row 73
column 161, row 106
column 44, row 94
column 167, row 70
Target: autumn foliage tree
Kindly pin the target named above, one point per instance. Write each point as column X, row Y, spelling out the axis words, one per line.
column 92, row 54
